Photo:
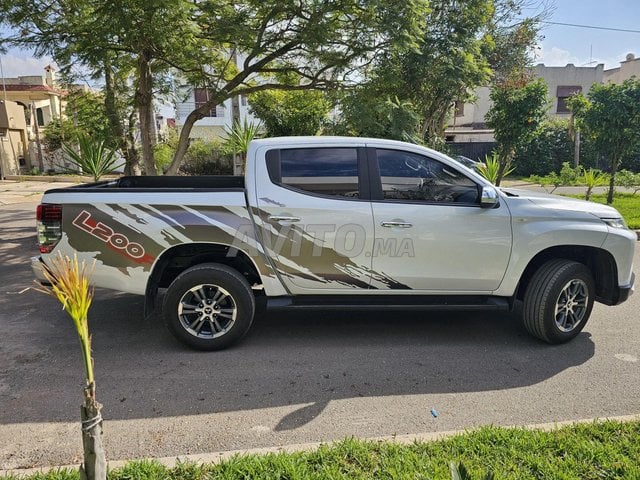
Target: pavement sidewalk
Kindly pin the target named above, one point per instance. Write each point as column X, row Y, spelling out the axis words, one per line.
column 218, row 457
column 13, row 191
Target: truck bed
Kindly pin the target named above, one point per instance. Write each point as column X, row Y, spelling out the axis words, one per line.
column 133, row 183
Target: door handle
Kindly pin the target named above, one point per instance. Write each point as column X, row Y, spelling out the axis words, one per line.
column 283, row 218
column 396, row 224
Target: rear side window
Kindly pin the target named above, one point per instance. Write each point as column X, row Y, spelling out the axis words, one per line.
column 322, row 171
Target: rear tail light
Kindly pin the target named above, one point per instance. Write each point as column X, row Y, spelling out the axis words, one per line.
column 49, row 225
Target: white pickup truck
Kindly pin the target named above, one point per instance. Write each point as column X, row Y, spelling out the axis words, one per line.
column 340, row 223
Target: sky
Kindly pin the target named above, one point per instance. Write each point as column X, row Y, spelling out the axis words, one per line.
column 560, row 44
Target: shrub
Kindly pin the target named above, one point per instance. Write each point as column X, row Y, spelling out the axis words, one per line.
column 628, row 179
column 92, row 158
column 206, row 158
column 550, row 146
column 489, row 169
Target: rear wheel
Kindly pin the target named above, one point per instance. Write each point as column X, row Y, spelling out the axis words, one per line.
column 558, row 301
column 209, row 306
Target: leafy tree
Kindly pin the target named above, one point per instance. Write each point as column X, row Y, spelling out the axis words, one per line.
column 86, row 116
column 418, row 87
column 516, row 112
column 230, row 47
column 120, row 108
column 545, row 151
column 248, row 46
column 610, row 116
column 132, row 36
column 365, row 112
column 465, row 45
column 290, row 112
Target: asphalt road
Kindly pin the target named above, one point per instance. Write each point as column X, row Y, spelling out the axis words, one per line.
column 296, row 378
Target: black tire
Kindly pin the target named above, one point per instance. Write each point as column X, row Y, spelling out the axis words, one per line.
column 560, row 283
column 209, row 306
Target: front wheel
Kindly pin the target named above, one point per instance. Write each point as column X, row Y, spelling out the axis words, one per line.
column 558, row 301
column 209, row 306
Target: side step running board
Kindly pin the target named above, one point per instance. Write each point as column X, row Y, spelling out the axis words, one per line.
column 366, row 302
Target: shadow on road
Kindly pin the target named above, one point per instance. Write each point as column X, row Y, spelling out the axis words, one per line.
column 304, row 359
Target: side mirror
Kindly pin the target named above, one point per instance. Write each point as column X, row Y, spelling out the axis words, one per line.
column 489, row 197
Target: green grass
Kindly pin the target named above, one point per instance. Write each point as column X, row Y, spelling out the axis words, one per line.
column 627, row 204
column 601, row 450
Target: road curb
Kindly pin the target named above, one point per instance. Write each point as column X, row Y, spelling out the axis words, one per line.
column 218, row 457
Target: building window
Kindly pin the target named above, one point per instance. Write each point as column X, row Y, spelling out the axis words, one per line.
column 40, row 117
column 243, row 100
column 563, row 93
column 201, row 96
column 459, row 108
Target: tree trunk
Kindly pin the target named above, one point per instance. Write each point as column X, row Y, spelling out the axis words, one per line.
column 131, row 144
column 183, row 140
column 612, row 181
column 128, row 148
column 505, row 158
column 94, row 466
column 144, row 103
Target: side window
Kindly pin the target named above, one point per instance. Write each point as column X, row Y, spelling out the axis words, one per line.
column 408, row 176
column 324, row 171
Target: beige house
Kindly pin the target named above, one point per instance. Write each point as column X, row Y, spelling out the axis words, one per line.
column 628, row 69
column 38, row 95
column 14, row 149
column 467, row 132
column 562, row 82
column 40, row 101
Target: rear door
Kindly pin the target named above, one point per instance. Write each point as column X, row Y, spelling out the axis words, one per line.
column 315, row 217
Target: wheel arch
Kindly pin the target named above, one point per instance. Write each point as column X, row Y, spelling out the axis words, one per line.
column 175, row 260
column 601, row 264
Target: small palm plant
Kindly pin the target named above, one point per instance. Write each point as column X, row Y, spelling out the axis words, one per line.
column 69, row 282
column 238, row 139
column 491, row 167
column 459, row 472
column 92, row 157
column 592, row 178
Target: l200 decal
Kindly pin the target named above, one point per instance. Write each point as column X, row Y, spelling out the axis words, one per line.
column 118, row 241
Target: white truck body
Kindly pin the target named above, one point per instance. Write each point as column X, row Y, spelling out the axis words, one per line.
column 341, row 219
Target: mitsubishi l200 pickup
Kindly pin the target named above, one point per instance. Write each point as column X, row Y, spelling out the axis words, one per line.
column 340, row 223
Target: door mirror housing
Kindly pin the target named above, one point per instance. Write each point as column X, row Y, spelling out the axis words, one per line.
column 489, row 197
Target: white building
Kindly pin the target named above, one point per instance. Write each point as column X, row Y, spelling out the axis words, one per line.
column 219, row 118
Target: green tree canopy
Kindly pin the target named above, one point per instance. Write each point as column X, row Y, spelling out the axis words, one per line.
column 290, row 112
column 99, row 35
column 229, row 47
column 516, row 112
column 610, row 117
column 85, row 116
column 464, row 45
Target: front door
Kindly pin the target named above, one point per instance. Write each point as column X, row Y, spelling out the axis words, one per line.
column 430, row 232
